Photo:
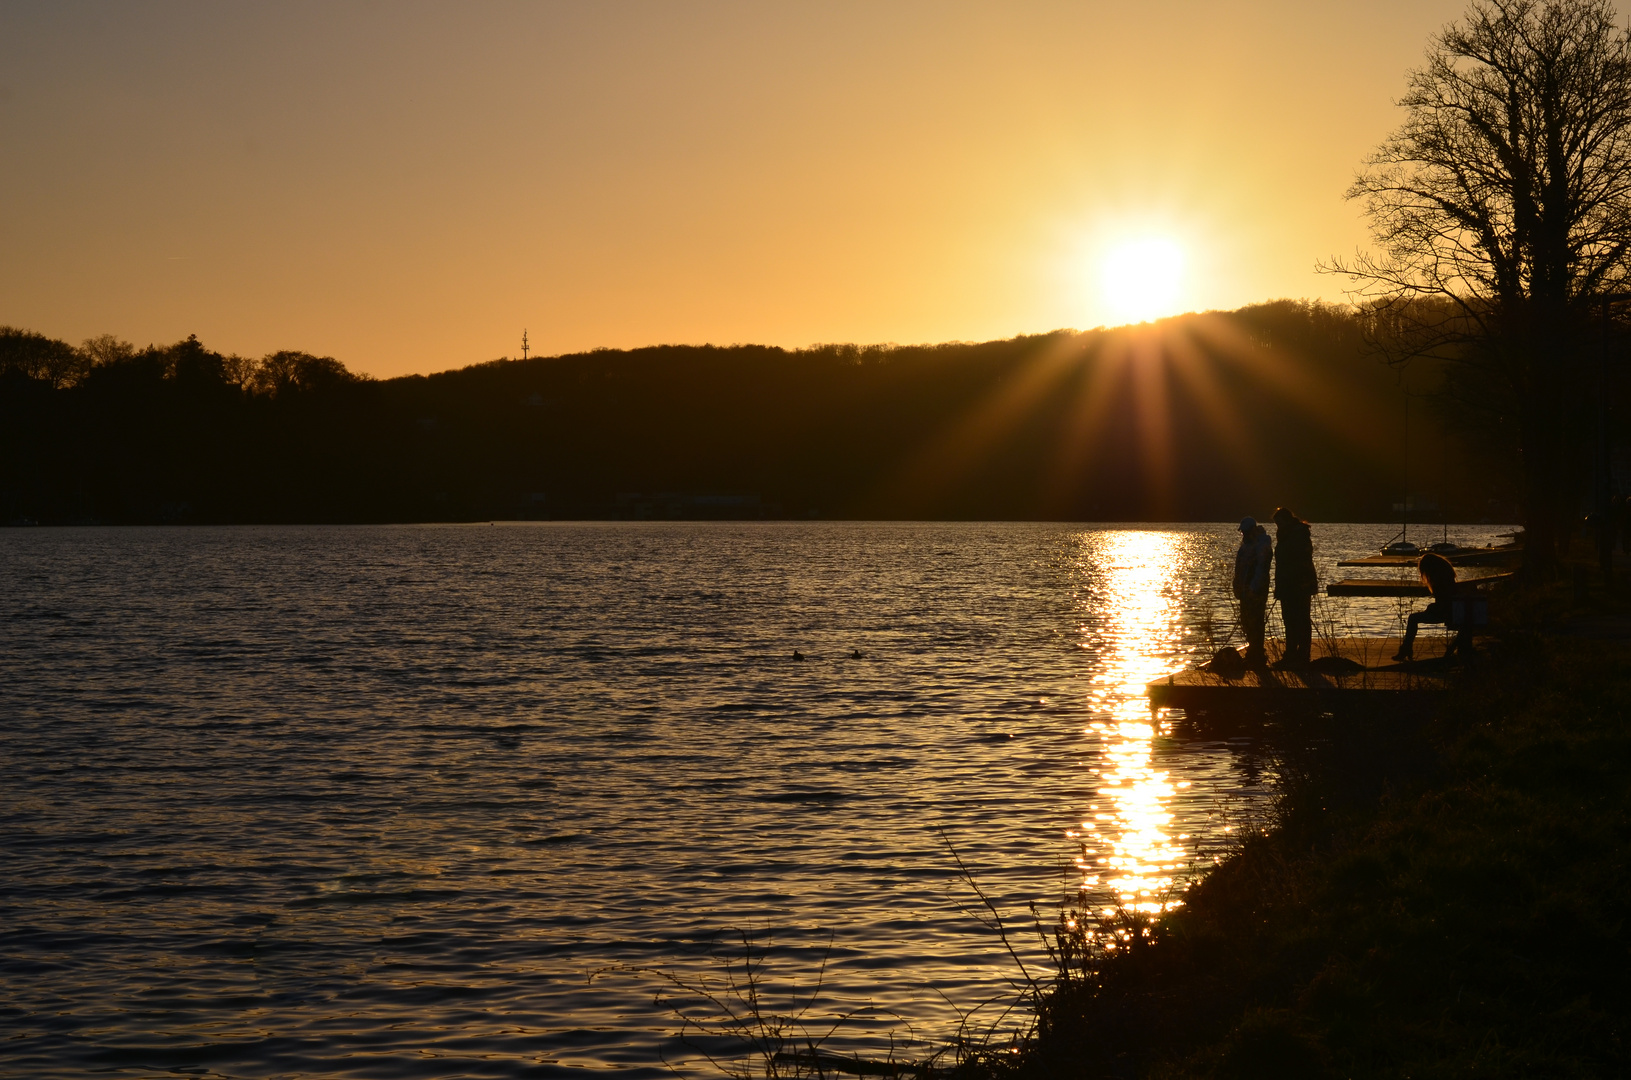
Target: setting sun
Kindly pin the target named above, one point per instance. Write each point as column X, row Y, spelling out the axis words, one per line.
column 1141, row 279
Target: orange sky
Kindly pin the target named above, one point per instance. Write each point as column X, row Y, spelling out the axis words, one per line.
column 406, row 186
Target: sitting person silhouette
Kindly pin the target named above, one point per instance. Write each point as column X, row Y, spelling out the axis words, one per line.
column 1439, row 577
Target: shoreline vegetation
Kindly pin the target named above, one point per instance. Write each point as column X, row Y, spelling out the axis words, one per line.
column 1193, row 418
column 1445, row 894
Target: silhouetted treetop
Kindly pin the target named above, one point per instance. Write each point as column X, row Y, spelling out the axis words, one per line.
column 288, row 372
column 1509, row 181
column 30, row 355
column 35, row 356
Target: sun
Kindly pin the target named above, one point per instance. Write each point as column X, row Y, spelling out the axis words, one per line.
column 1141, row 279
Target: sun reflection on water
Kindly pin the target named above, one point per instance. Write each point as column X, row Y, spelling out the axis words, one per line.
column 1127, row 842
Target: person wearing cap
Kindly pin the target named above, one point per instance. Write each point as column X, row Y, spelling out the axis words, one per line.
column 1251, row 584
column 1295, row 582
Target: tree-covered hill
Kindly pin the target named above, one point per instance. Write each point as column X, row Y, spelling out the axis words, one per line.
column 1202, row 417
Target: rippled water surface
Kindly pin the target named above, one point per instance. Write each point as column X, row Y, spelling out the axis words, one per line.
column 450, row 801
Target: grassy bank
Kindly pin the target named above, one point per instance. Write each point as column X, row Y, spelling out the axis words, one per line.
column 1443, row 895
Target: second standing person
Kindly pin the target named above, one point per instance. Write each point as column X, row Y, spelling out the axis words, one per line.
column 1295, row 583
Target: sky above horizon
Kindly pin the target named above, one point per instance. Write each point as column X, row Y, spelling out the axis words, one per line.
column 408, row 186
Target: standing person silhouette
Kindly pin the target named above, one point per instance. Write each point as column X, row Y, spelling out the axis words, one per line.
column 1295, row 582
column 1439, row 577
column 1251, row 585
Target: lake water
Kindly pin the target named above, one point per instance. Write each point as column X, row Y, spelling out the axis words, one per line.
column 431, row 801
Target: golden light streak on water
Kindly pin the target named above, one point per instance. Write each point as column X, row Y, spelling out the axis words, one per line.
column 1129, row 845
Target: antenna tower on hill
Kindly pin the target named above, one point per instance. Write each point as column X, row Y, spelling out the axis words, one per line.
column 523, row 343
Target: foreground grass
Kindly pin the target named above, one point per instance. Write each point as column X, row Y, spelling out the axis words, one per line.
column 1443, row 896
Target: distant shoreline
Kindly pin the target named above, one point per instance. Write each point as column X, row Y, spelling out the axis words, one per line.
column 1426, row 528
column 1195, row 418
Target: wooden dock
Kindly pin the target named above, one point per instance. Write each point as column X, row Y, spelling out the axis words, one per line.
column 1503, row 555
column 1403, row 562
column 1377, row 587
column 1407, row 587
column 1376, row 678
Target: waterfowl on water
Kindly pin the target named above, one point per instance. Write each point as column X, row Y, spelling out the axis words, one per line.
column 797, row 655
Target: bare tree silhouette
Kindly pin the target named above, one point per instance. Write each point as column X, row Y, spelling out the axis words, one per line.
column 1502, row 211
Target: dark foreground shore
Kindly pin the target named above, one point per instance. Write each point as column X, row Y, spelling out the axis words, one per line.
column 1442, row 895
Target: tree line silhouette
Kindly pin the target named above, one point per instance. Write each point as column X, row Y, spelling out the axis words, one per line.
column 1200, row 417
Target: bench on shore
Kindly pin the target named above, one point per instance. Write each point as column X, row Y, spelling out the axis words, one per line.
column 1469, row 607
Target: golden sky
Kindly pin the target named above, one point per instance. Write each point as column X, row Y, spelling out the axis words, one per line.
column 407, row 186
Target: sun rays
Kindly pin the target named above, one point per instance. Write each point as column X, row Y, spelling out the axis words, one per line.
column 1114, row 411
